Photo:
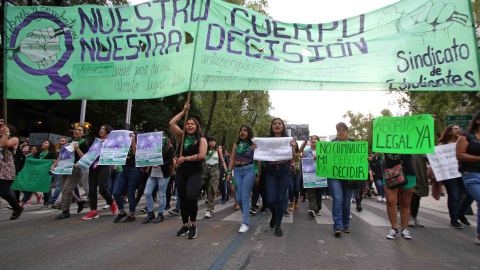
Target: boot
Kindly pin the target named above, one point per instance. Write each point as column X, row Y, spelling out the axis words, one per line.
column 296, row 203
column 159, row 218
column 150, row 216
column 291, row 206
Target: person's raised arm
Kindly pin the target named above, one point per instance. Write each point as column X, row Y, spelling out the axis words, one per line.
column 5, row 142
column 177, row 131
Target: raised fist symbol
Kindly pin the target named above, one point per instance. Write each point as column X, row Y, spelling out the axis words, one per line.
column 41, row 46
column 431, row 18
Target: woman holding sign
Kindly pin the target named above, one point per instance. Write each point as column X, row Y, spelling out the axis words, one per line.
column 98, row 176
column 468, row 155
column 314, row 194
column 189, row 174
column 245, row 176
column 454, row 185
column 278, row 179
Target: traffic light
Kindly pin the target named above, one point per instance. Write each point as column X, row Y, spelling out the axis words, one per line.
column 87, row 125
column 74, row 126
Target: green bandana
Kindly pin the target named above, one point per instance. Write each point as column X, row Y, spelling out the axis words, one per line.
column 80, row 141
column 242, row 147
column 164, row 141
column 210, row 153
column 43, row 154
column 188, row 141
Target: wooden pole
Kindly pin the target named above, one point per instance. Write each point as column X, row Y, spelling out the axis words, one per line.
column 184, row 125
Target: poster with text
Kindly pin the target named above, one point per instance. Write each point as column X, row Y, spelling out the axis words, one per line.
column 149, row 149
column 67, row 160
column 310, row 180
column 91, row 155
column 273, row 149
column 115, row 148
column 444, row 162
column 342, row 160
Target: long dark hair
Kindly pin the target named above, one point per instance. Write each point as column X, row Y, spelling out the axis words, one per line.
column 250, row 135
column 13, row 130
column 198, row 133
column 209, row 139
column 447, row 135
column 473, row 127
column 51, row 147
column 108, row 128
column 284, row 131
column 318, row 138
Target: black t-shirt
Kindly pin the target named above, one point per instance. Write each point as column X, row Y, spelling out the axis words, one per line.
column 84, row 146
column 473, row 149
column 130, row 159
column 391, row 160
column 192, row 166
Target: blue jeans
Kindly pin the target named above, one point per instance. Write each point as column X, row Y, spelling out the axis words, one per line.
column 162, row 187
column 341, row 195
column 129, row 178
column 112, row 180
column 245, row 178
column 472, row 183
column 58, row 189
column 294, row 189
column 453, row 186
column 379, row 185
column 276, row 185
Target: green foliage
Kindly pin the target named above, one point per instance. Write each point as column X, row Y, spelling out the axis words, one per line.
column 257, row 5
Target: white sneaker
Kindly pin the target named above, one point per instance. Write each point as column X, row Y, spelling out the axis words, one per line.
column 406, row 234
column 323, row 197
column 327, row 197
column 243, row 228
column 379, row 198
column 208, row 214
column 106, row 206
column 477, row 242
column 383, row 199
column 392, row 234
column 410, row 222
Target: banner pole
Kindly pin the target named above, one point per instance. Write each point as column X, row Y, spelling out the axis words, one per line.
column 4, row 40
column 184, row 125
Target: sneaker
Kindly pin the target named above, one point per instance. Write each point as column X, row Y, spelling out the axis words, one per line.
column 311, row 213
column 44, row 207
column 167, row 207
column 410, row 222
column 263, row 210
column 192, row 232
column 243, row 228
column 384, row 199
column 183, row 230
column 150, row 216
column 406, row 234
column 455, row 224
column 208, row 214
column 81, row 205
column 337, row 232
column 379, row 198
column 106, row 206
column 278, row 231
column 144, row 210
column 29, row 203
column 359, row 208
column 224, row 202
column 39, row 198
column 119, row 217
column 346, row 230
column 317, row 213
column 63, row 215
column 392, row 234
column 174, row 212
column 323, row 197
column 16, row 214
column 477, row 241
column 159, row 218
column 113, row 208
column 129, row 219
column 417, row 222
column 93, row 214
column 463, row 219
column 327, row 197
column 272, row 222
column 253, row 211
column 285, row 213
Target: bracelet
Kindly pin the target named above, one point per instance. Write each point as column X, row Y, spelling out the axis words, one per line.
column 6, row 133
column 229, row 172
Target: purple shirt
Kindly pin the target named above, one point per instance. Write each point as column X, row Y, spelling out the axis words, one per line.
column 245, row 157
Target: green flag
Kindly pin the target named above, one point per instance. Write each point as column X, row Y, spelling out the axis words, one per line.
column 160, row 48
column 404, row 135
column 34, row 176
column 342, row 160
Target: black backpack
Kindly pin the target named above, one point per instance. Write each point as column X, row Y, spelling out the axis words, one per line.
column 18, row 159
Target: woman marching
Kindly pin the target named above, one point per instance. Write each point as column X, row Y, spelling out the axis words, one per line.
column 160, row 175
column 98, row 176
column 468, row 155
column 211, row 173
column 314, row 194
column 278, row 179
column 189, row 173
column 242, row 160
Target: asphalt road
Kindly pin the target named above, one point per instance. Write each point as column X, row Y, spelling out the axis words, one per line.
column 37, row 241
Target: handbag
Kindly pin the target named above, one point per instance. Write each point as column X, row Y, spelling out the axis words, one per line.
column 394, row 177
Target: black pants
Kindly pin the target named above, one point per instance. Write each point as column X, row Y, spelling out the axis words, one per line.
column 141, row 186
column 169, row 190
column 7, row 194
column 99, row 177
column 359, row 193
column 260, row 190
column 414, row 205
column 188, row 184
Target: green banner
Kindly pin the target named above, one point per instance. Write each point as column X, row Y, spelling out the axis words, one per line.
column 342, row 160
column 34, row 176
column 404, row 135
column 160, row 48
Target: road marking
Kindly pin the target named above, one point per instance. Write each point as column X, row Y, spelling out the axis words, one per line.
column 371, row 218
column 326, row 217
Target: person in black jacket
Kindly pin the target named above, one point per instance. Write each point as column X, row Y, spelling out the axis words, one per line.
column 160, row 175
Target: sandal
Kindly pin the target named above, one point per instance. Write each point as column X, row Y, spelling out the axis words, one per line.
column 236, row 207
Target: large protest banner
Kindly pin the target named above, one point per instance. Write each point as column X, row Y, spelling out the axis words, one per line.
column 67, row 160
column 34, row 176
column 310, row 180
column 273, row 149
column 342, row 160
column 91, row 155
column 404, row 135
column 149, row 149
column 444, row 162
column 115, row 148
column 161, row 48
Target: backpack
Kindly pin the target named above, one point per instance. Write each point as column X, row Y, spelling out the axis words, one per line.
column 18, row 159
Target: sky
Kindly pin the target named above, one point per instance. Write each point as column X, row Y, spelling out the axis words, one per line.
column 322, row 110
